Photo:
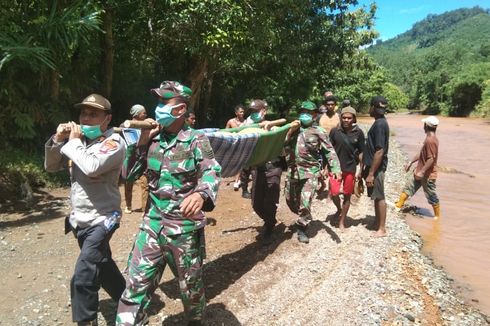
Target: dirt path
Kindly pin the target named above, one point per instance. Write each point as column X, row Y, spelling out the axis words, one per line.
column 338, row 278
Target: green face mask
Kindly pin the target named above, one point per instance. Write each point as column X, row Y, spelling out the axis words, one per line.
column 91, row 132
column 256, row 117
column 306, row 119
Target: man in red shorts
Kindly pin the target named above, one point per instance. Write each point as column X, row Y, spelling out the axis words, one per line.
column 348, row 141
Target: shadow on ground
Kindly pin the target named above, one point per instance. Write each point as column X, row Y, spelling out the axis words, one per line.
column 44, row 207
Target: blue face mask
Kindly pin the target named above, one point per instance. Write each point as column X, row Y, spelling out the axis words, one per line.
column 306, row 119
column 163, row 114
column 256, row 117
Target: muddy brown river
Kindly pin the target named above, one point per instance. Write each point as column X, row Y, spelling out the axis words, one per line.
column 460, row 241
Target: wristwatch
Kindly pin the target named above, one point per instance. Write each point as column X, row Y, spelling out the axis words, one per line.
column 203, row 195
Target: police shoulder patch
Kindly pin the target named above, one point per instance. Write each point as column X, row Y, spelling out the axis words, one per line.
column 109, row 145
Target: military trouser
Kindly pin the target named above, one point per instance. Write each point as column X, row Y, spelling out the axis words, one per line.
column 299, row 195
column 429, row 186
column 266, row 188
column 151, row 252
column 94, row 268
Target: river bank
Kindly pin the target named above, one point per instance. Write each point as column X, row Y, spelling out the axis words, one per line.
column 347, row 278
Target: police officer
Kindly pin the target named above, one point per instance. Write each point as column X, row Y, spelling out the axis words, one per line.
column 183, row 179
column 266, row 179
column 96, row 154
column 303, row 150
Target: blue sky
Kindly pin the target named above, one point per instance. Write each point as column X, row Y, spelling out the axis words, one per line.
column 394, row 17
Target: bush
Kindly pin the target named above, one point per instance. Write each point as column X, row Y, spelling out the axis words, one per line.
column 18, row 168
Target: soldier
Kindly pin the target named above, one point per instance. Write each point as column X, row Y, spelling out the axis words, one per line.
column 183, row 178
column 303, row 150
column 96, row 154
column 266, row 180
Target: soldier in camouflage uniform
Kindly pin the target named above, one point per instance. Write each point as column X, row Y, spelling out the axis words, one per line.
column 183, row 179
column 303, row 150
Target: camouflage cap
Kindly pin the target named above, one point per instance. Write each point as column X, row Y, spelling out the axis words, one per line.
column 95, row 101
column 169, row 89
column 257, row 105
column 308, row 105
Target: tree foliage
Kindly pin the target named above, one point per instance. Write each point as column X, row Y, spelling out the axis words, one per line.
column 54, row 53
column 442, row 62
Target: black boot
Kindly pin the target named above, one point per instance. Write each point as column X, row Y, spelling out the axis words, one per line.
column 302, row 236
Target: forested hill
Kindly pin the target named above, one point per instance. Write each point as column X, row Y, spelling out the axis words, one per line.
column 442, row 63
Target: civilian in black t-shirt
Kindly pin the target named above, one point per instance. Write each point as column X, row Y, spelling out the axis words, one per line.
column 375, row 160
column 348, row 141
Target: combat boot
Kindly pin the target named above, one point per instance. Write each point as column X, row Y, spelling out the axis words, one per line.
column 302, row 236
column 246, row 194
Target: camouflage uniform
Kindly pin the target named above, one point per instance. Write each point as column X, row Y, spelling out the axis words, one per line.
column 303, row 152
column 177, row 166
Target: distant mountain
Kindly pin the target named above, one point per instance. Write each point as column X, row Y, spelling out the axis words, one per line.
column 442, row 62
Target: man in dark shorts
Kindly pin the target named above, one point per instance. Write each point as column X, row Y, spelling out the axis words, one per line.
column 348, row 141
column 375, row 161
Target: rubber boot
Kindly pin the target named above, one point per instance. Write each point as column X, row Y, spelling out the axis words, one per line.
column 437, row 211
column 302, row 236
column 401, row 201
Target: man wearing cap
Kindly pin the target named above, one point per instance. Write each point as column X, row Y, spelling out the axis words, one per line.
column 183, row 179
column 93, row 153
column 425, row 173
column 348, row 141
column 266, row 179
column 375, row 161
column 303, row 149
column 138, row 112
